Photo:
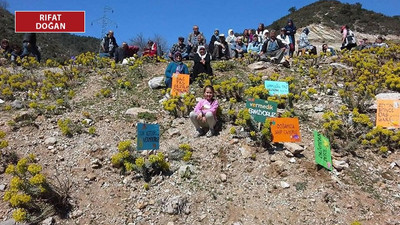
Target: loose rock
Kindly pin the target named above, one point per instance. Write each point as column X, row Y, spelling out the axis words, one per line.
column 340, row 165
column 50, row 141
column 293, row 148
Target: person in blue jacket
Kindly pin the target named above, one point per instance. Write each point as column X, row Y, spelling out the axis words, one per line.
column 176, row 66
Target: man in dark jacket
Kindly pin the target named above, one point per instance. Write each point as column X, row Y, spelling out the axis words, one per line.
column 273, row 50
column 29, row 45
column 109, row 44
column 125, row 51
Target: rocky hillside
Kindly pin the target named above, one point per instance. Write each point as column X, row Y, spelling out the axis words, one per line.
column 55, row 46
column 334, row 14
column 80, row 123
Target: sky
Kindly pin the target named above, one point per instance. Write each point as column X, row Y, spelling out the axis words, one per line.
column 175, row 18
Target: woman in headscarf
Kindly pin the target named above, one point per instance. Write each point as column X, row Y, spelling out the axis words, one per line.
column 176, row 66
column 260, row 31
column 231, row 39
column 202, row 62
column 290, row 31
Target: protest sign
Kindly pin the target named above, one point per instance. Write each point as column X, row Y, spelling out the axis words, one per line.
column 277, row 87
column 260, row 109
column 285, row 129
column 322, row 149
column 148, row 136
column 180, row 84
column 388, row 113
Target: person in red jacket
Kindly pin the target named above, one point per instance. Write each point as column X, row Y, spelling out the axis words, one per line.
column 151, row 49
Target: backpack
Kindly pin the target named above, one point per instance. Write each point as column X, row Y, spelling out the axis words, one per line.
column 350, row 39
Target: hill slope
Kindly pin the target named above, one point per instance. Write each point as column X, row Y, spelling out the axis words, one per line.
column 334, row 14
column 56, row 46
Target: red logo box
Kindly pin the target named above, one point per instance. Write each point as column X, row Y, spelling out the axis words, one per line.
column 49, row 21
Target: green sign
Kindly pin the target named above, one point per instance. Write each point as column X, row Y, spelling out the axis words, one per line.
column 322, row 151
column 261, row 109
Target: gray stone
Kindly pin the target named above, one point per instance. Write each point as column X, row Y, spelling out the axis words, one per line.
column 76, row 214
column 173, row 132
column 1, row 101
column 293, row 148
column 223, row 178
column 285, row 184
column 342, row 66
column 2, row 169
column 17, row 104
column 48, row 221
column 292, row 160
column 11, row 222
column 340, row 165
column 95, row 164
column 135, row 111
column 319, row 108
column 2, row 187
column 288, row 153
column 273, row 158
column 259, row 65
column 245, row 151
column 176, row 205
column 185, row 171
column 50, row 141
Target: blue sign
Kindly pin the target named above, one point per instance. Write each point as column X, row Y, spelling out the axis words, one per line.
column 277, row 87
column 148, row 136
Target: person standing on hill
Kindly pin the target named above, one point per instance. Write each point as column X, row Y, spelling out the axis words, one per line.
column 348, row 39
column 29, row 45
column 260, row 31
column 214, row 38
column 290, row 31
column 109, row 44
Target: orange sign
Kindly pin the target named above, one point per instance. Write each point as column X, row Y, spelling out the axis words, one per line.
column 388, row 113
column 180, row 84
column 285, row 129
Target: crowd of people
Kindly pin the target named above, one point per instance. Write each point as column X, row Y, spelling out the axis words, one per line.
column 12, row 52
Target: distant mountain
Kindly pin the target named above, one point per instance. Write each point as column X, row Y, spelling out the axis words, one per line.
column 334, row 14
column 56, row 46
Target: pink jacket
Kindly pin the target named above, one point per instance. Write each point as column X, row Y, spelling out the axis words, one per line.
column 205, row 106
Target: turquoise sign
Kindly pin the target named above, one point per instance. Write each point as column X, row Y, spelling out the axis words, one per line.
column 148, row 136
column 277, row 87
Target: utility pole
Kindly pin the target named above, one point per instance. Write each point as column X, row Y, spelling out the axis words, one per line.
column 105, row 21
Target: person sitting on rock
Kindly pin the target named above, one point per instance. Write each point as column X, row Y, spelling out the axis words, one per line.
column 109, row 44
column 30, row 47
column 125, row 51
column 179, row 47
column 176, row 66
column 285, row 40
column 254, row 46
column 265, row 36
column 195, row 39
column 204, row 115
column 5, row 49
column 202, row 63
column 328, row 50
column 240, row 48
column 273, row 50
column 379, row 43
column 221, row 48
column 150, row 49
column 304, row 44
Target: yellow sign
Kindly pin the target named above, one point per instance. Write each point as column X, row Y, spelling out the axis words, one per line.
column 180, row 84
column 388, row 113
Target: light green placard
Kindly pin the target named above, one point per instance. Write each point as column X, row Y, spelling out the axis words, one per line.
column 322, row 148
